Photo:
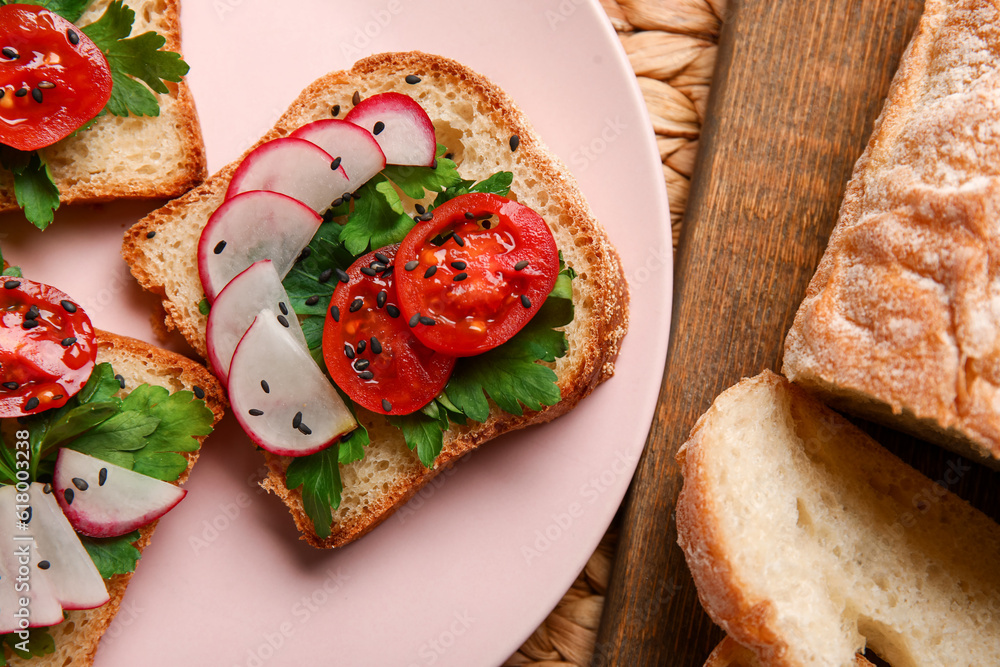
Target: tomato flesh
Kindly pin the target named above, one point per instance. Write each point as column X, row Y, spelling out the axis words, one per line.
column 372, row 355
column 480, row 269
column 52, row 76
column 47, row 347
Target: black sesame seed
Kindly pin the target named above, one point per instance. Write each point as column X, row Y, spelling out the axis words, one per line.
column 415, row 320
column 11, row 385
column 68, row 495
column 219, row 247
column 366, row 375
column 13, row 284
column 121, row 380
column 382, row 258
column 525, row 301
column 284, row 321
column 469, row 215
column 29, row 324
column 412, row 264
column 342, row 275
column 46, row 85
column 375, row 345
column 460, row 277
column 47, row 489
column 347, row 436
column 434, row 164
column 427, row 321
column 10, row 52
column 326, row 275
column 431, row 270
column 66, row 342
column 74, row 38
column 312, row 301
column 378, row 267
column 449, row 156
column 520, row 266
column 305, row 430
column 254, row 412
column 356, row 304
column 58, row 397
column 44, row 565
column 459, row 265
column 80, row 483
column 32, row 313
column 386, row 405
column 348, row 351
column 361, row 364
column 102, row 477
column 361, row 346
column 412, row 79
column 283, row 308
column 335, row 165
column 36, row 94
column 515, row 141
column 68, row 306
column 369, row 271
column 1, row 93
column 335, row 313
column 347, row 196
column 335, row 111
column 30, row 512
column 150, row 235
column 392, row 310
column 356, row 98
column 379, row 126
column 21, row 92
column 297, row 420
column 459, row 240
column 199, row 393
column 419, row 209
column 265, row 386
column 337, row 202
column 304, row 255
column 380, row 299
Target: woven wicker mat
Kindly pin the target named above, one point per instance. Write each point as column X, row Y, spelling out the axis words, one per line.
column 671, row 45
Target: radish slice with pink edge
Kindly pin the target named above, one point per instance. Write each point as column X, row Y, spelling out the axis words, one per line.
column 75, row 578
column 280, row 396
column 400, row 126
column 236, row 308
column 43, row 605
column 358, row 151
column 294, row 167
column 101, row 499
column 252, row 226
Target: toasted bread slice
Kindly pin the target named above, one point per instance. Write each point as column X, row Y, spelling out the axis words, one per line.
column 808, row 541
column 134, row 157
column 900, row 323
column 475, row 120
column 77, row 637
column 730, row 654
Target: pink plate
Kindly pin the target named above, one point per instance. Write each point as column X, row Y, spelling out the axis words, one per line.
column 470, row 567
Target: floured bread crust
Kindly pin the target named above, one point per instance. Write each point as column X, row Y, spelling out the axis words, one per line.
column 901, row 322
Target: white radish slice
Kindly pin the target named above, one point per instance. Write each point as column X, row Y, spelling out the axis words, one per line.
column 77, row 583
column 236, row 307
column 101, row 499
column 294, row 167
column 280, row 396
column 400, row 126
column 359, row 152
column 19, row 559
column 251, row 226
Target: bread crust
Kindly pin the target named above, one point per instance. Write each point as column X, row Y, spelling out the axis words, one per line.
column 601, row 292
column 78, row 636
column 110, row 176
column 898, row 324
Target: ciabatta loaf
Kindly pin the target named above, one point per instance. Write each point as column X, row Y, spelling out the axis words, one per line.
column 475, row 120
column 134, row 157
column 901, row 322
column 77, row 638
column 808, row 541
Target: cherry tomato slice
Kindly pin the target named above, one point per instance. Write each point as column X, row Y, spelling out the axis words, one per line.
column 53, row 79
column 369, row 347
column 47, row 347
column 476, row 272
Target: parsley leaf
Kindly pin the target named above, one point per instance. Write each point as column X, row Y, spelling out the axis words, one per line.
column 180, row 420
column 113, row 555
column 14, row 271
column 414, row 181
column 423, row 431
column 71, row 10
column 204, row 307
column 497, row 184
column 34, row 188
column 325, row 253
column 378, row 218
column 38, row 643
column 319, row 476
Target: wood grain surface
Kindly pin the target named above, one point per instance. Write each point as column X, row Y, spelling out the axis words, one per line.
column 796, row 91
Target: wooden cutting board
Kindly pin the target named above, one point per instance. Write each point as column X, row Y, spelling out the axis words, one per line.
column 796, row 91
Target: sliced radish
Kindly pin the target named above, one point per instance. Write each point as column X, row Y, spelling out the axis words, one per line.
column 101, row 499
column 19, row 565
column 280, row 396
column 358, row 151
column 236, row 307
column 400, row 126
column 251, row 226
column 295, row 167
column 77, row 583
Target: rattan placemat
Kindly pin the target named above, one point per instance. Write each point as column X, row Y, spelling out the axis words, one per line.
column 671, row 45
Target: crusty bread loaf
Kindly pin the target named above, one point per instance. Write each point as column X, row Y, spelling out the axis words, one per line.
column 901, row 322
column 807, row 540
column 134, row 157
column 730, row 654
column 77, row 637
column 475, row 120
